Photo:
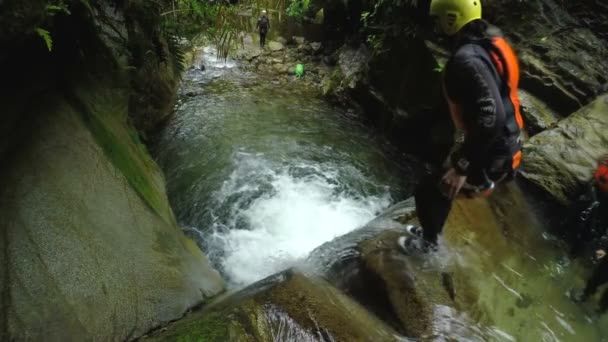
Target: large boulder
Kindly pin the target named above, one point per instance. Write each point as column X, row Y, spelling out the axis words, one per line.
column 288, row 306
column 418, row 300
column 89, row 246
column 562, row 160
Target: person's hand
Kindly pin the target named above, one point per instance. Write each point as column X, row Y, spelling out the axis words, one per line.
column 600, row 253
column 453, row 182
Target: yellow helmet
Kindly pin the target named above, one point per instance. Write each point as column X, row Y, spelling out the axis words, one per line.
column 454, row 14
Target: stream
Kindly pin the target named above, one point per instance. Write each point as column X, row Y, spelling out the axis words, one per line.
column 261, row 171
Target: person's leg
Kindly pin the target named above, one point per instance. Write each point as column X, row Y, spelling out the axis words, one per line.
column 262, row 39
column 604, row 302
column 432, row 208
column 598, row 278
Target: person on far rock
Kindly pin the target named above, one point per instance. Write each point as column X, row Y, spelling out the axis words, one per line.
column 263, row 26
column 480, row 83
column 589, row 214
column 593, row 225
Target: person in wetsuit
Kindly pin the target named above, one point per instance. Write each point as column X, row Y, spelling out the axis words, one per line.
column 480, row 85
column 263, row 26
column 593, row 226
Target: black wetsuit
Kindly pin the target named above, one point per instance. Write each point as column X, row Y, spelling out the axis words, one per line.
column 598, row 278
column 591, row 226
column 472, row 81
column 588, row 222
column 263, row 25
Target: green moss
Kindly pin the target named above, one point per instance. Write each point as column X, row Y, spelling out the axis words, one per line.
column 124, row 156
column 105, row 115
column 212, row 327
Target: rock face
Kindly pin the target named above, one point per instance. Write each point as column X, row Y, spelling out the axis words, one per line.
column 562, row 160
column 564, row 62
column 288, row 306
column 90, row 249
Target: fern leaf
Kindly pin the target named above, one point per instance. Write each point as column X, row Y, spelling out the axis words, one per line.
column 57, row 8
column 46, row 36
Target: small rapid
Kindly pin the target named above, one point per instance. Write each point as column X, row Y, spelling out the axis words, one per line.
column 261, row 170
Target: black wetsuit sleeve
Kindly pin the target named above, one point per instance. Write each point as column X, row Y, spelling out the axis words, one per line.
column 471, row 84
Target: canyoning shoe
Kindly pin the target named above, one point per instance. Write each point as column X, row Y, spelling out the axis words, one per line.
column 409, row 244
column 414, row 230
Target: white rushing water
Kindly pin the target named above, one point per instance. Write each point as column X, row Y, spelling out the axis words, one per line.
column 293, row 214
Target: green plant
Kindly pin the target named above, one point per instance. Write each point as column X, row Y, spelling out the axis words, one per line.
column 389, row 19
column 46, row 36
column 52, row 9
column 297, row 8
column 219, row 22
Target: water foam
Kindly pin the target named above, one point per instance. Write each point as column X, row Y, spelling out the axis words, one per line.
column 286, row 214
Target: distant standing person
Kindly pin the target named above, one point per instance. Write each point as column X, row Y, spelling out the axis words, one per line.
column 263, row 26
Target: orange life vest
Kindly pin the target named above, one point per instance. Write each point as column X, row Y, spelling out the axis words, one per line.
column 505, row 61
column 601, row 178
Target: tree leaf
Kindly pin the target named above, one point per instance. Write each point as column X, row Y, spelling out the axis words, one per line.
column 46, row 36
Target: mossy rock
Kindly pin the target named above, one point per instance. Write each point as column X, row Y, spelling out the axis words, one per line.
column 288, row 306
column 562, row 160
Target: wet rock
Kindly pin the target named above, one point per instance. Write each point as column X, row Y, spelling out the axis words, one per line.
column 538, row 116
column 561, row 160
column 282, row 40
column 276, row 60
column 316, row 47
column 299, row 40
column 280, row 68
column 305, row 48
column 319, row 17
column 329, row 60
column 275, row 46
column 352, row 69
column 403, row 290
column 564, row 61
column 288, row 306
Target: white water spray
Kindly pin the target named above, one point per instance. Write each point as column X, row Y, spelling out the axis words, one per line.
column 293, row 215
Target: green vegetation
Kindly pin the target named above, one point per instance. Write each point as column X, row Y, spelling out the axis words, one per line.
column 388, row 20
column 217, row 22
column 297, row 8
column 54, row 8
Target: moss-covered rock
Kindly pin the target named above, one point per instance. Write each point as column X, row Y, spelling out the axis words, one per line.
column 562, row 160
column 89, row 246
column 288, row 306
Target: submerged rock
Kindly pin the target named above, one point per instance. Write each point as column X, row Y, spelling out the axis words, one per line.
column 562, row 160
column 288, row 306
